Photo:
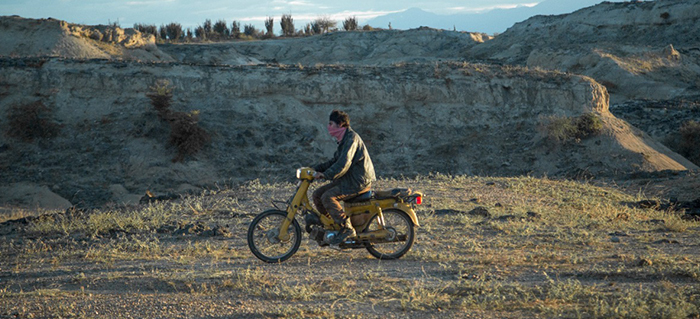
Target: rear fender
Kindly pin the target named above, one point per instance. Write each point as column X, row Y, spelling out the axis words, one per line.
column 408, row 209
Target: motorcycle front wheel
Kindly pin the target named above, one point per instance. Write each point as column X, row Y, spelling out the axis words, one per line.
column 401, row 226
column 263, row 237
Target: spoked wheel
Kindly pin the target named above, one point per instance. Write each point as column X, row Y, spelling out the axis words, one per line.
column 263, row 237
column 402, row 235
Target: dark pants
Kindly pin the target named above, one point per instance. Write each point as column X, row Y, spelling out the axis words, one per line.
column 327, row 200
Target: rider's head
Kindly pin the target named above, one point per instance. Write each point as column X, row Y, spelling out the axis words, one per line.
column 341, row 118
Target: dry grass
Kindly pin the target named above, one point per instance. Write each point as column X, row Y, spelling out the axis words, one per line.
column 549, row 249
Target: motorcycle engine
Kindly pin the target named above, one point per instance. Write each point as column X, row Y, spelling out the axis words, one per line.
column 310, row 220
column 318, row 234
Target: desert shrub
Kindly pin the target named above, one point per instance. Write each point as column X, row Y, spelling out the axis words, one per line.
column 250, row 30
column 235, row 29
column 350, row 24
column 324, row 24
column 587, row 125
column 558, row 129
column 200, row 33
column 161, row 94
column 147, row 29
column 269, row 25
column 563, row 129
column 207, row 26
column 163, row 32
column 309, row 29
column 185, row 133
column 174, row 31
column 221, row 29
column 31, row 121
column 690, row 139
column 287, row 25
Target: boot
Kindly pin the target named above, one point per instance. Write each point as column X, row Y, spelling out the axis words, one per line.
column 346, row 231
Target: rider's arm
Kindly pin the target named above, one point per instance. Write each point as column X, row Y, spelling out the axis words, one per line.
column 343, row 159
column 324, row 166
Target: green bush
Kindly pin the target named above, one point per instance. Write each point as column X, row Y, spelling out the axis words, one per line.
column 31, row 121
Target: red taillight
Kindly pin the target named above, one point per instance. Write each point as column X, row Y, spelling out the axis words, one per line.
column 419, row 200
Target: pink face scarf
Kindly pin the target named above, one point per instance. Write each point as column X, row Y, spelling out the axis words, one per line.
column 338, row 133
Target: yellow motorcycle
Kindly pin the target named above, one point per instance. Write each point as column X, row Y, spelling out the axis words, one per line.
column 384, row 222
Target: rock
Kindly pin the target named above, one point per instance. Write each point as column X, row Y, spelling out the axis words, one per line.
column 121, row 195
column 533, row 216
column 508, row 218
column 618, row 234
column 643, row 262
column 448, row 211
column 32, row 196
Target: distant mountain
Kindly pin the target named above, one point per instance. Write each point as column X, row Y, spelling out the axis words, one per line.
column 494, row 21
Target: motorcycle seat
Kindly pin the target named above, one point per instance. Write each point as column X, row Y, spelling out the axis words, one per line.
column 393, row 193
column 362, row 197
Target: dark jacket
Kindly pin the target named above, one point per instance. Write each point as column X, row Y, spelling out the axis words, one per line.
column 350, row 165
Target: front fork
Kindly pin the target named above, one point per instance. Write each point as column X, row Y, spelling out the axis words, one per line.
column 299, row 201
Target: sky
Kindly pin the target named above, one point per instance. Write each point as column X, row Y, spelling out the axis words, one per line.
column 191, row 13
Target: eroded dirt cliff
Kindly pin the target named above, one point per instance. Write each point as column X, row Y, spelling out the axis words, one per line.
column 423, row 100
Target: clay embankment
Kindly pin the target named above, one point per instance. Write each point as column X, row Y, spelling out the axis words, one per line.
column 417, row 118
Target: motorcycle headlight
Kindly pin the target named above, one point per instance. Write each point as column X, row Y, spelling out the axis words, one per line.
column 305, row 173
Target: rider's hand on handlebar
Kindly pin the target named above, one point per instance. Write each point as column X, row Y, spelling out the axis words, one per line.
column 319, row 175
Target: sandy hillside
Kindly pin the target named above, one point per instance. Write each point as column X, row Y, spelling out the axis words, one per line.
column 22, row 37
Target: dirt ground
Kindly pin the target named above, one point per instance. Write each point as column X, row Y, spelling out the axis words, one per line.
column 486, row 248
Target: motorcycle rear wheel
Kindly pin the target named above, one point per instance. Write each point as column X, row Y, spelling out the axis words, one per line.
column 399, row 222
column 263, row 241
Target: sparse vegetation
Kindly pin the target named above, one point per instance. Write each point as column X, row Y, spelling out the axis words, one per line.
column 220, row 31
column 28, row 122
column 185, row 133
column 549, row 249
column 564, row 129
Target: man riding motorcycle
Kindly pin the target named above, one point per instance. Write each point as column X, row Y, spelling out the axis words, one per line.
column 350, row 170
